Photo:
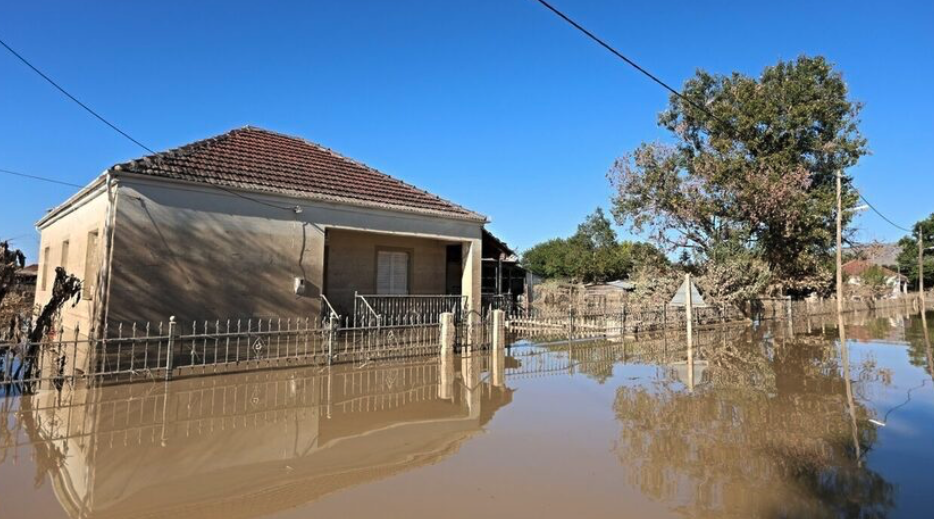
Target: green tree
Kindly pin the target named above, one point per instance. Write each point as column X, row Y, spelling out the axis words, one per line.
column 590, row 254
column 760, row 173
column 547, row 259
column 908, row 257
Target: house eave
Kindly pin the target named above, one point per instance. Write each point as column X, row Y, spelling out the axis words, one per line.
column 73, row 201
column 292, row 196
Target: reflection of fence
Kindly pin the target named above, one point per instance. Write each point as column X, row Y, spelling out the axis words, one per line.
column 135, row 413
column 569, row 357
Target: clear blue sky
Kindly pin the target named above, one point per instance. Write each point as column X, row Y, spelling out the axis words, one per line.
column 495, row 104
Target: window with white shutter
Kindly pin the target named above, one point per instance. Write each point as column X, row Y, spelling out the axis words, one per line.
column 392, row 273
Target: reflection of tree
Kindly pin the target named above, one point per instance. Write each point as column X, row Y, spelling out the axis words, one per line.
column 768, row 434
column 595, row 362
column 919, row 338
column 48, row 458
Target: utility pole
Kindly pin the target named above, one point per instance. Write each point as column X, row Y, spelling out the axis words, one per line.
column 921, row 263
column 839, row 242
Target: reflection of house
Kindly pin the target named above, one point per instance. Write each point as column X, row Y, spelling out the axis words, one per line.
column 855, row 270
column 253, row 223
column 250, row 445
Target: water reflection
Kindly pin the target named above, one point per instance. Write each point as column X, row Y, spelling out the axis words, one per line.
column 249, row 445
column 765, row 425
column 775, row 421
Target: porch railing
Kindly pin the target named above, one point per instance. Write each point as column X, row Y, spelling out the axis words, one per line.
column 394, row 310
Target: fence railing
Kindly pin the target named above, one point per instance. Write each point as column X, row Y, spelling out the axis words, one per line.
column 172, row 349
column 595, row 317
column 165, row 350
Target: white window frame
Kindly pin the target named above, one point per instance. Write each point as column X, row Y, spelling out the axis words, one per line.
column 392, row 272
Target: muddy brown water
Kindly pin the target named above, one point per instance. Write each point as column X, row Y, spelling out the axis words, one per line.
column 762, row 423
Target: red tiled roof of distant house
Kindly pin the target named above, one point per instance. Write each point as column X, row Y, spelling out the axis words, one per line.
column 28, row 271
column 857, row 267
column 260, row 160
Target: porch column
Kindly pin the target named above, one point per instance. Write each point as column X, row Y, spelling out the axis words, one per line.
column 470, row 279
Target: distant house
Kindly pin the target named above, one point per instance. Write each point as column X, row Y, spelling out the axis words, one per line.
column 610, row 288
column 253, row 224
column 21, row 296
column 855, row 270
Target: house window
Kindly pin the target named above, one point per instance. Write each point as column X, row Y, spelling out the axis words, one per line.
column 45, row 268
column 91, row 266
column 392, row 273
column 64, row 262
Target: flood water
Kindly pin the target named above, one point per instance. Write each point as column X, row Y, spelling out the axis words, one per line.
column 755, row 422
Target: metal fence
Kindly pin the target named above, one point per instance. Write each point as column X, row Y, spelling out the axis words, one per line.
column 172, row 349
column 595, row 319
column 404, row 328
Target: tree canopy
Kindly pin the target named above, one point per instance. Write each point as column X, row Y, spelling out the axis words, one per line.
column 751, row 173
column 908, row 257
column 593, row 253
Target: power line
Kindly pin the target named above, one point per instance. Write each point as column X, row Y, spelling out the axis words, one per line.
column 222, row 188
column 116, row 129
column 37, row 177
column 667, row 87
column 893, row 224
column 73, row 98
column 634, row 65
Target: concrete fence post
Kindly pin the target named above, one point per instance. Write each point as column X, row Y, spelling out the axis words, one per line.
column 499, row 329
column 447, row 333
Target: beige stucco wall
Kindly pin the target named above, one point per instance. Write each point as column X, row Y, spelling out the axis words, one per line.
column 200, row 254
column 352, row 264
column 85, row 214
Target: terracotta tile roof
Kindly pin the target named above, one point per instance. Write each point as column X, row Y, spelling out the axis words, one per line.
column 857, row 267
column 255, row 159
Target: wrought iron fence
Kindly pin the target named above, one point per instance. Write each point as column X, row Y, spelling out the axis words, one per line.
column 173, row 349
column 165, row 350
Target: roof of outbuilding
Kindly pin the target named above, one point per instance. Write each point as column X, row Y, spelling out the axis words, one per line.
column 255, row 159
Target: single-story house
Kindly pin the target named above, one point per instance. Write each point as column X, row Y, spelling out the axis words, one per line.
column 854, row 271
column 252, row 224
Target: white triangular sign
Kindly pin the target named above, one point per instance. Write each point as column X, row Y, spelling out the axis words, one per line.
column 680, row 298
